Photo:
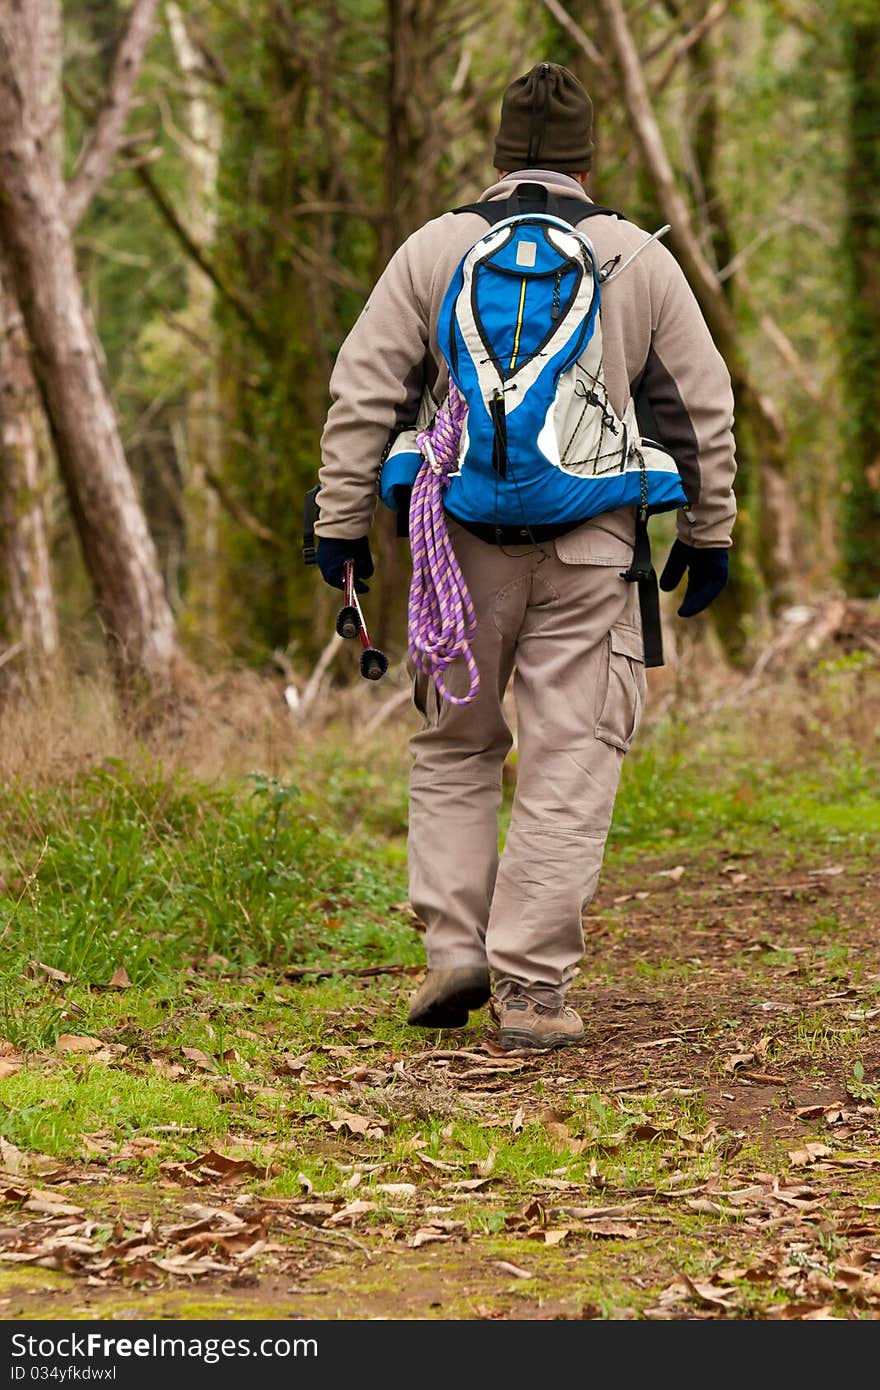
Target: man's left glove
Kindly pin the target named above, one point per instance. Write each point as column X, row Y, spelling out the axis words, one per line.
column 332, row 554
column 707, row 572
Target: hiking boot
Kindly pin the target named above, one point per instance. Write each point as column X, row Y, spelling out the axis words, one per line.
column 444, row 997
column 524, row 1023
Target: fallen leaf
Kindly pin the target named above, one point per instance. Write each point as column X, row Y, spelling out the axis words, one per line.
column 177, row 1173
column 51, row 1204
column 555, row 1237
column 740, row 1059
column 293, row 1065
column 440, row 1163
column 811, row 1151
column 75, row 1042
column 426, row 1235
column 348, row 1215
column 358, row 1124
column 675, row 874
column 507, row 1268
column 119, row 979
column 12, row 1160
column 484, row 1166
column 14, row 1194
column 222, row 1166
column 201, row 1059
column 10, row 1063
column 436, row 1231
column 36, row 967
column 613, row 1230
column 714, row 1296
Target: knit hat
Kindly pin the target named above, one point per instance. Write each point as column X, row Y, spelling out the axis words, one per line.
column 546, row 123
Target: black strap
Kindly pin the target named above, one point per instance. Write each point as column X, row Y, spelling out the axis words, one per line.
column 642, row 572
column 499, row 437
column 310, row 516
column 402, row 499
column 536, row 197
column 515, row 535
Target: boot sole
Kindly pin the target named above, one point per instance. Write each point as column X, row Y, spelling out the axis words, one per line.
column 512, row 1038
column 451, row 1012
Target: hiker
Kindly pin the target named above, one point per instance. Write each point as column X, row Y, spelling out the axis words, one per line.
column 535, row 469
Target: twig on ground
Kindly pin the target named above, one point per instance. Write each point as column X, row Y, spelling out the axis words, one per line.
column 327, row 1237
column 313, row 684
column 396, row 702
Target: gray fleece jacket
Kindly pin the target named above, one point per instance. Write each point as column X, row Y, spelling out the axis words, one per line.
column 655, row 341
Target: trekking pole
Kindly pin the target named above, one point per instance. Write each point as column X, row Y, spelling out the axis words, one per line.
column 350, row 622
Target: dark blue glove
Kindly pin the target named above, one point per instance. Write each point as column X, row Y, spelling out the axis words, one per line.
column 708, row 572
column 332, row 554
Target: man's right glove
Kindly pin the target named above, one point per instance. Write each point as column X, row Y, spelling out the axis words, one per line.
column 708, row 572
column 332, row 554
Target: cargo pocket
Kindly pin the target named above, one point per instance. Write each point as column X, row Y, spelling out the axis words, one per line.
column 623, row 700
column 426, row 699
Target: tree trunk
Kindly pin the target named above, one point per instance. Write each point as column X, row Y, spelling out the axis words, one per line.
column 198, row 442
column 418, row 32
column 28, row 600
column 409, row 201
column 761, row 422
column 861, row 355
column 119, row 552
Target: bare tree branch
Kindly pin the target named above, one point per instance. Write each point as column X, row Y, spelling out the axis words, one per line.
column 765, row 418
column 686, row 42
column 702, row 275
column 574, row 30
column 239, row 512
column 197, row 254
column 108, row 130
column 791, row 357
column 352, row 209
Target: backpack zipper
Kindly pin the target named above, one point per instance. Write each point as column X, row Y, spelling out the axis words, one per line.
column 519, row 323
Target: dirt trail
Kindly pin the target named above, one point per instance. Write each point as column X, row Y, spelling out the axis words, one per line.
column 714, row 1149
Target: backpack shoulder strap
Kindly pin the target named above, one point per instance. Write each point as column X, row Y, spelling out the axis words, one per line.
column 535, row 197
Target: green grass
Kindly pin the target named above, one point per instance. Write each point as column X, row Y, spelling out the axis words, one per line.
column 206, row 892
column 157, row 874
column 180, row 881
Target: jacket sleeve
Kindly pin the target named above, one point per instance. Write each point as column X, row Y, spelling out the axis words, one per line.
column 686, row 392
column 375, row 387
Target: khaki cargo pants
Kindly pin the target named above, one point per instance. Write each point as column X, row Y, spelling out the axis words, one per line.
column 561, row 620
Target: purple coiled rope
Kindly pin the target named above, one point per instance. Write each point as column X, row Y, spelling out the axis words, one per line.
column 442, row 621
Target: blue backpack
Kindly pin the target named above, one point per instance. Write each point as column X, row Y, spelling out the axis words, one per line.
column 520, row 328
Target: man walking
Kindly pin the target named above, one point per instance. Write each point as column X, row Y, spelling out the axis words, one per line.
column 553, row 605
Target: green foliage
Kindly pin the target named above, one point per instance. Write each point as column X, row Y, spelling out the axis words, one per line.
column 861, row 260
column 153, row 873
column 770, row 124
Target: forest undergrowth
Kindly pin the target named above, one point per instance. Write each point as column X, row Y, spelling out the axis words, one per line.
column 210, row 1104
